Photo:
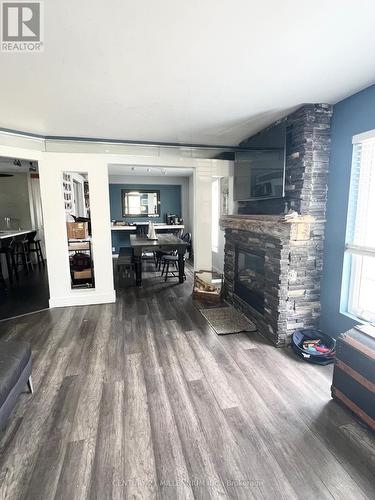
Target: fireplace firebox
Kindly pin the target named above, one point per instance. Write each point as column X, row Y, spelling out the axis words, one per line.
column 249, row 277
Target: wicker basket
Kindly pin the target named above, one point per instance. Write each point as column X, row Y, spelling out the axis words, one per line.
column 205, row 292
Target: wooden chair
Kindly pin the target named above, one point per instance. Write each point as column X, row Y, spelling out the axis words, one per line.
column 187, row 238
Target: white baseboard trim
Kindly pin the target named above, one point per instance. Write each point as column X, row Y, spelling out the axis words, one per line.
column 83, row 299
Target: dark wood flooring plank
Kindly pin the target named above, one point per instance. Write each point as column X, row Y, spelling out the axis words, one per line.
column 51, row 454
column 131, row 336
column 185, row 353
column 108, row 469
column 23, row 451
column 86, row 417
column 140, row 472
column 223, row 449
column 75, row 477
column 85, row 331
column 246, row 435
column 220, row 386
column 171, row 469
column 268, row 423
column 203, row 476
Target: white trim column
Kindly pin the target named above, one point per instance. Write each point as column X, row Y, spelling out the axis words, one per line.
column 202, row 217
column 51, row 168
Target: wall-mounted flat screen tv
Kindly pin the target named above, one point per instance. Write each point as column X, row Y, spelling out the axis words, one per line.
column 259, row 172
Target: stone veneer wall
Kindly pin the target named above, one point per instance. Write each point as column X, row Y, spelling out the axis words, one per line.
column 294, row 267
column 307, row 162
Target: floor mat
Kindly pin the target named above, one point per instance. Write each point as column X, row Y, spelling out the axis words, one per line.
column 226, row 320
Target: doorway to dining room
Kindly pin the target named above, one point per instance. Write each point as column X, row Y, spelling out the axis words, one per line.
column 141, row 198
column 23, row 271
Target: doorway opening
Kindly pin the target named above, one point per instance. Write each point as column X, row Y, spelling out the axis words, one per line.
column 144, row 194
column 23, row 271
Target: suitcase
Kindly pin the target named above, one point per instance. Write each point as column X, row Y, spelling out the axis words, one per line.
column 354, row 373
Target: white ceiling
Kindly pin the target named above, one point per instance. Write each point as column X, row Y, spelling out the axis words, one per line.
column 212, row 71
column 149, row 171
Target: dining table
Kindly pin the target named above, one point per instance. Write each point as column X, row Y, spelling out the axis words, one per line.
column 164, row 242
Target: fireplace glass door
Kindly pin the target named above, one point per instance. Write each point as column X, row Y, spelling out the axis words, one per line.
column 249, row 277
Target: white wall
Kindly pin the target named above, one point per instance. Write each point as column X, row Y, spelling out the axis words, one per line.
column 165, row 180
column 202, row 242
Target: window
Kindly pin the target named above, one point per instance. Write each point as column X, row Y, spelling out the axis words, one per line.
column 360, row 246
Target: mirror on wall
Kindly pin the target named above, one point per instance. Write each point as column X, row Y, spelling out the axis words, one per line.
column 140, row 203
column 78, row 228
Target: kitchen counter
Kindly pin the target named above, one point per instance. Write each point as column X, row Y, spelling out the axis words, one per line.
column 157, row 226
column 12, row 233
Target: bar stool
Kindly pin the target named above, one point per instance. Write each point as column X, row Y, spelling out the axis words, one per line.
column 8, row 247
column 22, row 253
column 35, row 247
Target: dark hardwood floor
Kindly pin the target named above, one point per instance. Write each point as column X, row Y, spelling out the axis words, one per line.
column 30, row 293
column 141, row 399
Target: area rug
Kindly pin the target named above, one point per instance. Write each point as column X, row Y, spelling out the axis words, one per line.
column 225, row 320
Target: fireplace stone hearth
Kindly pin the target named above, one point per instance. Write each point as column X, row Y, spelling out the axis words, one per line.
column 289, row 280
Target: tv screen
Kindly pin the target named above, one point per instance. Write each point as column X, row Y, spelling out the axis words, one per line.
column 259, row 173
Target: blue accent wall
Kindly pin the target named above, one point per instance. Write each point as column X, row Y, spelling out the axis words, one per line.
column 170, row 203
column 352, row 116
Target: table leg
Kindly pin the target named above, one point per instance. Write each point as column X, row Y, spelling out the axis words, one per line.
column 181, row 267
column 138, row 269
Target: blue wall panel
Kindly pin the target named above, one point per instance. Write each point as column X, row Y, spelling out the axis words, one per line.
column 170, row 203
column 352, row 116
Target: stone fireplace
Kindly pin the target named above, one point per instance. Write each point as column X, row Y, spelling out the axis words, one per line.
column 272, row 265
column 272, row 273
